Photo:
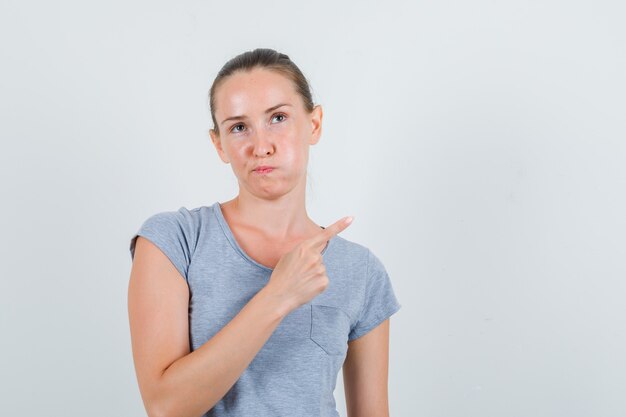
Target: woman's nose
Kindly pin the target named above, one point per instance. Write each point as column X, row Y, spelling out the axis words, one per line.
column 262, row 143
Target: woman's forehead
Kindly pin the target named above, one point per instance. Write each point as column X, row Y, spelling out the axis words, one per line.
column 254, row 92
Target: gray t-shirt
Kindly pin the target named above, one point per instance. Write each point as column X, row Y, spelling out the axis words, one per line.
column 295, row 372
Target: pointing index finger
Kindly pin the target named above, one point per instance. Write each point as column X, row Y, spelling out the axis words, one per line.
column 332, row 230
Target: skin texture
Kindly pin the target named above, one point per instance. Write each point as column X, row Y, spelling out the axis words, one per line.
column 365, row 374
column 270, row 222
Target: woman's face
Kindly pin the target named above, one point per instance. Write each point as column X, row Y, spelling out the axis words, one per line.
column 254, row 131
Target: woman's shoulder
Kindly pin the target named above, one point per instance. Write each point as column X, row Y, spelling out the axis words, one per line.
column 357, row 252
column 181, row 216
column 347, row 249
column 182, row 224
column 349, row 244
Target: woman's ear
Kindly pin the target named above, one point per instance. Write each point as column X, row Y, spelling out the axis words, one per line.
column 316, row 124
column 217, row 142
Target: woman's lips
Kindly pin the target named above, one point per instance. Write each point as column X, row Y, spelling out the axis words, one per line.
column 263, row 170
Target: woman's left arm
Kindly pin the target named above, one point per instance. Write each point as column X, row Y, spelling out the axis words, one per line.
column 365, row 374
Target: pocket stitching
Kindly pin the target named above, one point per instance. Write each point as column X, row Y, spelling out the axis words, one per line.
column 311, row 329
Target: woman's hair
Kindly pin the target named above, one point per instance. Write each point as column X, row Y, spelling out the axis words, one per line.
column 262, row 58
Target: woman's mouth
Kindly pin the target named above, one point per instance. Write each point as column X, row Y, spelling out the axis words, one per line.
column 264, row 170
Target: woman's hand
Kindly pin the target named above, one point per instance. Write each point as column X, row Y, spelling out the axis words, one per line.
column 300, row 274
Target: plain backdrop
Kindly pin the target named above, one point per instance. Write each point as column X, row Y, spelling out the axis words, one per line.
column 480, row 145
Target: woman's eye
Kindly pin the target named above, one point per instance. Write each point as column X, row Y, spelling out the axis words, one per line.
column 234, row 127
column 279, row 115
column 235, row 130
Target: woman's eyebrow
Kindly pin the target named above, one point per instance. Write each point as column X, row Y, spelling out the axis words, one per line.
column 266, row 111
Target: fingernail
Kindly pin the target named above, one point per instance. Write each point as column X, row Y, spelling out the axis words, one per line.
column 349, row 219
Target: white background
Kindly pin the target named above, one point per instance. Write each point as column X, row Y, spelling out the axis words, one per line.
column 481, row 147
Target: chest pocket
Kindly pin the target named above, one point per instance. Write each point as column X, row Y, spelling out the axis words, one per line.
column 329, row 328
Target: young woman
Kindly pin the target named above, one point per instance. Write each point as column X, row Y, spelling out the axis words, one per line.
column 248, row 307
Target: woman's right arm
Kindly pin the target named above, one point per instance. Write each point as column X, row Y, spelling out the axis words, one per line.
column 173, row 381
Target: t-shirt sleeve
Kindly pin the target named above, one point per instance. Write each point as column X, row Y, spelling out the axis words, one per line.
column 173, row 233
column 380, row 300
